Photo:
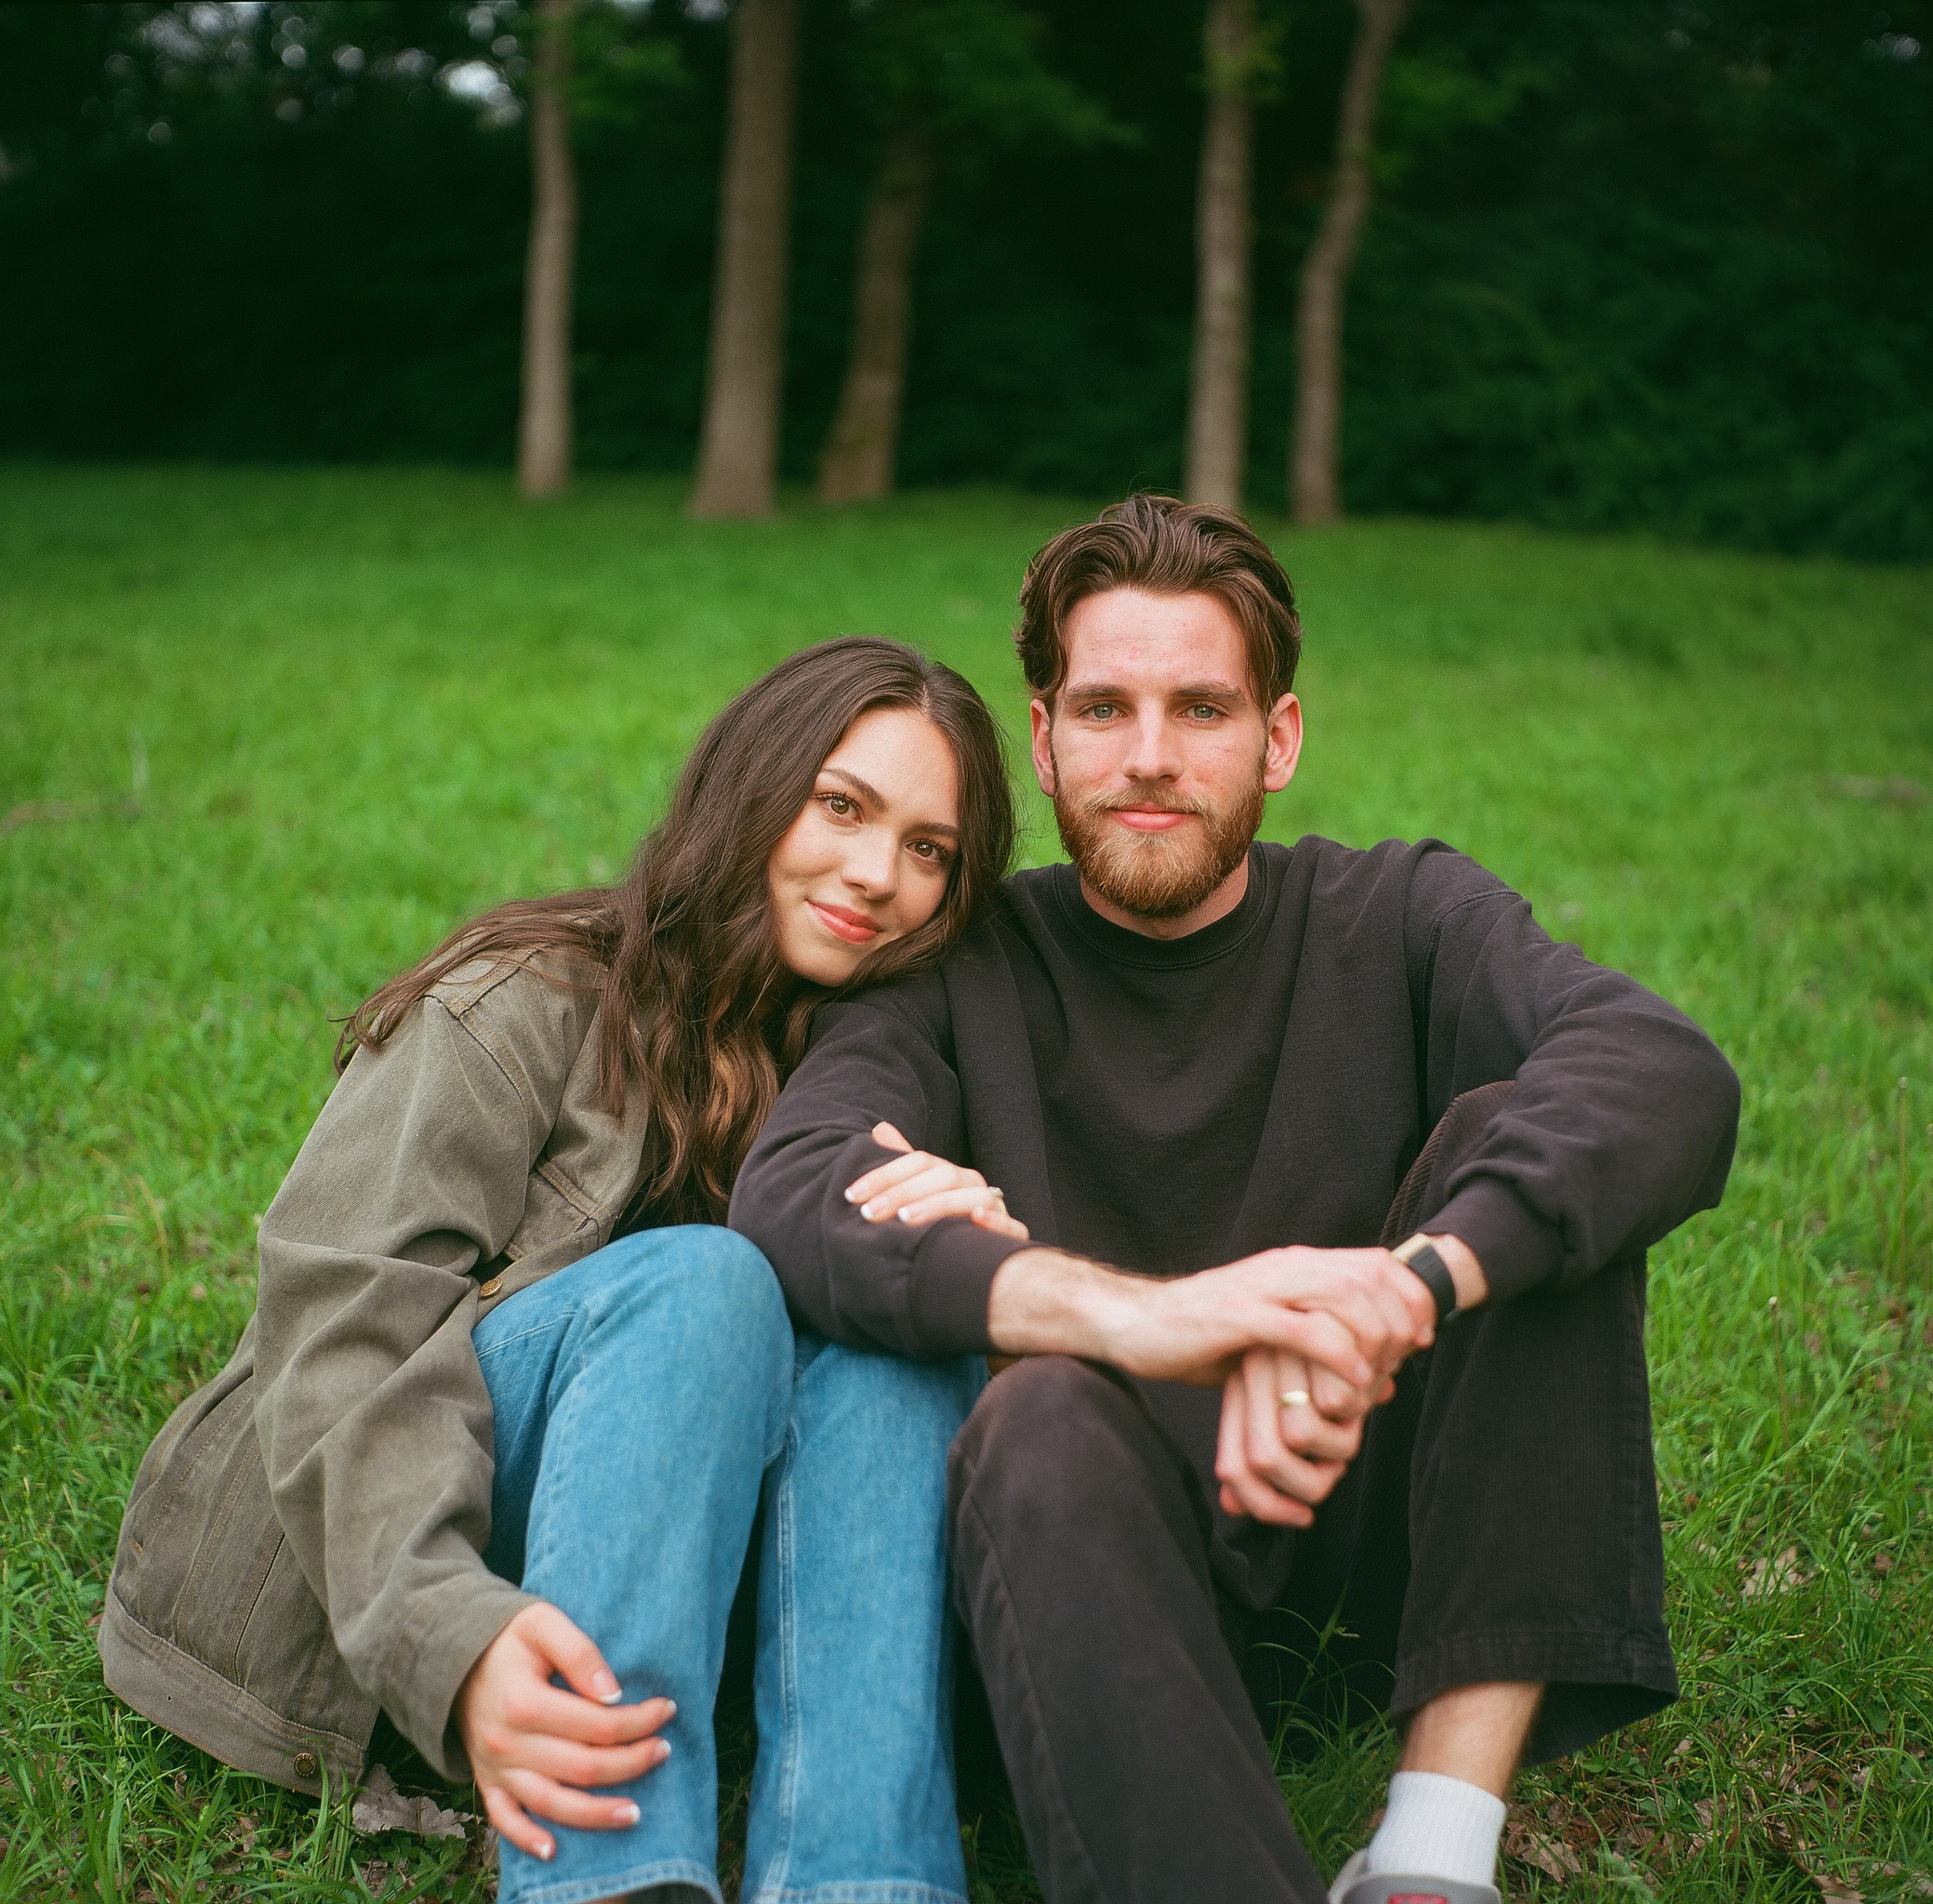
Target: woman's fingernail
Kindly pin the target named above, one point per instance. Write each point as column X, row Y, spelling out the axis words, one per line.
column 630, row 1815
column 869, row 1210
column 606, row 1683
column 852, row 1193
column 671, row 1711
column 546, row 1850
column 664, row 1750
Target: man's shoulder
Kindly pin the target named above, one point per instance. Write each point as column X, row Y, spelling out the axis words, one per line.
column 1427, row 874
column 1025, row 890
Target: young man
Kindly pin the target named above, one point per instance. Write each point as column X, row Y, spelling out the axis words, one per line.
column 1211, row 1064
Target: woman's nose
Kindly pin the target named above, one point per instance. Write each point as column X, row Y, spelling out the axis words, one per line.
column 872, row 863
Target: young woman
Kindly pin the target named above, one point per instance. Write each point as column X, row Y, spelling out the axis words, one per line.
column 488, row 1455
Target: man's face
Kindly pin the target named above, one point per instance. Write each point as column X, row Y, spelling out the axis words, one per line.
column 1156, row 758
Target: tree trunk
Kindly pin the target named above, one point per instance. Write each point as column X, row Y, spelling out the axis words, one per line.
column 1218, row 407
column 1314, row 477
column 738, row 452
column 863, row 444
column 544, row 424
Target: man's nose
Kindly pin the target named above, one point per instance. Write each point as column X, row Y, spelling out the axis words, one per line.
column 1152, row 753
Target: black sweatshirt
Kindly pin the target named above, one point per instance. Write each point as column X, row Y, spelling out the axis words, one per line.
column 1167, row 1106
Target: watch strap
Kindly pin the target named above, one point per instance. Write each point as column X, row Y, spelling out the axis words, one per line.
column 1419, row 1255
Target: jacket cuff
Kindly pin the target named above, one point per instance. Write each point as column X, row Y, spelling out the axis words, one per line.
column 433, row 1655
column 1514, row 1245
column 953, row 1267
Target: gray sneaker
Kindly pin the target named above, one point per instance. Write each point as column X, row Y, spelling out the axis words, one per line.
column 1353, row 1885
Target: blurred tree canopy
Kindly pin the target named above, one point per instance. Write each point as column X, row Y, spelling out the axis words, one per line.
column 1635, row 263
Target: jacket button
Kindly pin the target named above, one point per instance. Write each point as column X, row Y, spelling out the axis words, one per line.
column 307, row 1765
column 491, row 1288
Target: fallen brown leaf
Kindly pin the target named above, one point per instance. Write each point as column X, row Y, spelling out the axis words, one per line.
column 1551, row 1855
column 1784, row 1575
column 1921, row 1886
column 380, row 1808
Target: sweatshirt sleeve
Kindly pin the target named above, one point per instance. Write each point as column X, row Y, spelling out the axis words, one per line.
column 914, row 1291
column 1625, row 1116
column 373, row 1419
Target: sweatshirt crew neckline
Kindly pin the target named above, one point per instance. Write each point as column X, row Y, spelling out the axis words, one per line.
column 1123, row 945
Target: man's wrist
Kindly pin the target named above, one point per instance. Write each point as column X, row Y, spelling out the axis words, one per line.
column 1045, row 1302
column 1466, row 1282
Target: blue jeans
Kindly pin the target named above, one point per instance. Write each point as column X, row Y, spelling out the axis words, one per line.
column 644, row 1399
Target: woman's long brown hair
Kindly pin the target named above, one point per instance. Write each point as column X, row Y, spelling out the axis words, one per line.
column 698, row 1009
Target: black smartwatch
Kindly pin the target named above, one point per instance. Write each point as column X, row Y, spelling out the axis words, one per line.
column 1419, row 1254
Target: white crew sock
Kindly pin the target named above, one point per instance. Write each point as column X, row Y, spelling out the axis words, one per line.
column 1438, row 1827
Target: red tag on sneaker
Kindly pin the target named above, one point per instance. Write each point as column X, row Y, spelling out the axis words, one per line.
column 1417, row 1897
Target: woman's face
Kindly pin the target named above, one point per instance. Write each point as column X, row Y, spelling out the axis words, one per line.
column 868, row 858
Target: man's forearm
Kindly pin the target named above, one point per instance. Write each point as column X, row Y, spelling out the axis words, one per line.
column 1195, row 1328
column 1044, row 1301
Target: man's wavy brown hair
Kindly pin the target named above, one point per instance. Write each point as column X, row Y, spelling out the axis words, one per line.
column 697, row 1007
column 1168, row 548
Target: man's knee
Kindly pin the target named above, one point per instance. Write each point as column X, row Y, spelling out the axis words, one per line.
column 1049, row 1442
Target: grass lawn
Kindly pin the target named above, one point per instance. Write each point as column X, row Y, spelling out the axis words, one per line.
column 355, row 705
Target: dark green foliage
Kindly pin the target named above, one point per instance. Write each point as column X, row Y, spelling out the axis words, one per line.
column 1635, row 264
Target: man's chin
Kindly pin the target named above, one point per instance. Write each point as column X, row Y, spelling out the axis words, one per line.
column 1155, row 878
column 1162, row 876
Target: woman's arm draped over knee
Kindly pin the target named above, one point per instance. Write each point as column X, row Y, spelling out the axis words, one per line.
column 373, row 1415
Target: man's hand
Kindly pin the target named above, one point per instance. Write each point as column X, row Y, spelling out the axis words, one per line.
column 1277, row 1457
column 533, row 1746
column 1386, row 1307
column 1345, row 1311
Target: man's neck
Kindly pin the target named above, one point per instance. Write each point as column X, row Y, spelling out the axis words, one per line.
column 1218, row 905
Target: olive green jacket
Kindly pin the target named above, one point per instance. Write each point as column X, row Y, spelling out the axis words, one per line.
column 303, row 1542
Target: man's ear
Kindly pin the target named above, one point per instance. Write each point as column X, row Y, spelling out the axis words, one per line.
column 1284, row 747
column 1040, row 719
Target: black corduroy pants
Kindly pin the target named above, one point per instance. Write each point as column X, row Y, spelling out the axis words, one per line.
column 1500, row 1522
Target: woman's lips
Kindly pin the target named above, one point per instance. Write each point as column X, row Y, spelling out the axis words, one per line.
column 854, row 928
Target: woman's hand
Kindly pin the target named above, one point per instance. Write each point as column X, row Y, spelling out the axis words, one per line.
column 920, row 1187
column 1277, row 1457
column 533, row 1746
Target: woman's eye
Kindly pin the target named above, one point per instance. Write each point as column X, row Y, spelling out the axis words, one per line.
column 932, row 853
column 838, row 804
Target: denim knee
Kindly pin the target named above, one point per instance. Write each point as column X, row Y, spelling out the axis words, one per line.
column 731, row 1310
column 936, row 1395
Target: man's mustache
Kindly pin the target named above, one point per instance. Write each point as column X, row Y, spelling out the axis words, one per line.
column 1163, row 798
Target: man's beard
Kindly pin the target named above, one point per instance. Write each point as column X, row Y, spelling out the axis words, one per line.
column 1163, row 875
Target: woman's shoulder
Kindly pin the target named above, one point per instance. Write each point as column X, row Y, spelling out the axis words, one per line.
column 536, row 1007
column 519, row 981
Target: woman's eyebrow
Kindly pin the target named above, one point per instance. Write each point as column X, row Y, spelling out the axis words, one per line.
column 866, row 790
